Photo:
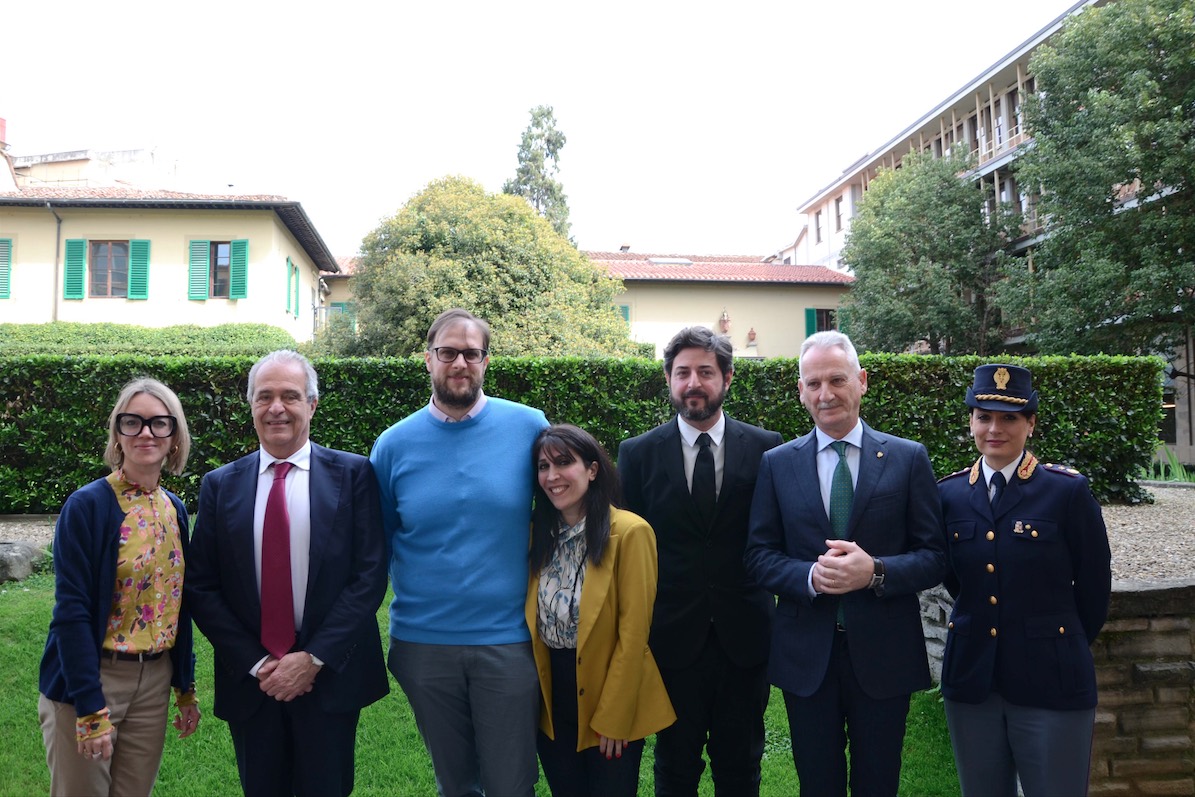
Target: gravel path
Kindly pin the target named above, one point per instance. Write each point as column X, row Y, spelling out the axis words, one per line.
column 1150, row 542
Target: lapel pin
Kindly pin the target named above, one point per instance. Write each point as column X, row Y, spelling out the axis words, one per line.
column 879, row 455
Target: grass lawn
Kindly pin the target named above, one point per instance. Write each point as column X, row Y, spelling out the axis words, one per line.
column 391, row 761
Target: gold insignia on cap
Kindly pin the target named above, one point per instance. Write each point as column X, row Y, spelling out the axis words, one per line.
column 1001, row 377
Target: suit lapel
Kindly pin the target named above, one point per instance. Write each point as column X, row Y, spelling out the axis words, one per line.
column 323, row 489
column 593, row 591
column 979, row 501
column 873, row 458
column 669, row 453
column 734, row 456
column 803, row 486
column 241, row 500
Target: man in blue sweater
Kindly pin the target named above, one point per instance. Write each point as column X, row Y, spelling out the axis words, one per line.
column 456, row 483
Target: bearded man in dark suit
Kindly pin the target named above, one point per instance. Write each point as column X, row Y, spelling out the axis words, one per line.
column 692, row 479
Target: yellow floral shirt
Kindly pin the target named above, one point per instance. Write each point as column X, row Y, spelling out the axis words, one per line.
column 149, row 571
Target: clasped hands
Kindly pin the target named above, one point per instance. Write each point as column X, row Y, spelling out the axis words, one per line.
column 289, row 677
column 844, row 567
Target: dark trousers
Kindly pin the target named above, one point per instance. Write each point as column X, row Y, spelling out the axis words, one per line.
column 587, row 773
column 295, row 749
column 719, row 706
column 821, row 723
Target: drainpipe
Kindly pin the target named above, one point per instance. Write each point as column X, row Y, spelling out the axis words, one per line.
column 57, row 251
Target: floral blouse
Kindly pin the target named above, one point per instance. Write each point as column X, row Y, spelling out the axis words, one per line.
column 148, row 592
column 149, row 572
column 560, row 584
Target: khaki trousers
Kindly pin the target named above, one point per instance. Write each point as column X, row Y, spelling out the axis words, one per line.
column 138, row 696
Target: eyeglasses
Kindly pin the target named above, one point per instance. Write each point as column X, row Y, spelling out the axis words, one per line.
column 130, row 424
column 447, row 354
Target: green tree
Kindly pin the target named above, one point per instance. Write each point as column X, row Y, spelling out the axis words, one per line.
column 926, row 254
column 456, row 245
column 1114, row 155
column 535, row 179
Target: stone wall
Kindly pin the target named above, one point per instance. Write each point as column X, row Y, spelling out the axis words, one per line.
column 1145, row 665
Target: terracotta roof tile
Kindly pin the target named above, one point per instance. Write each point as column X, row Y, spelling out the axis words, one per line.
column 120, row 192
column 712, row 268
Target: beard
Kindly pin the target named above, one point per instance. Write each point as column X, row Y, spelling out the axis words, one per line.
column 699, row 413
column 462, row 398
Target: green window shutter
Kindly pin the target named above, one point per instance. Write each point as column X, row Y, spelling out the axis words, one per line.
column 5, row 267
column 810, row 321
column 199, row 274
column 290, row 276
column 624, row 310
column 74, row 269
column 238, row 270
column 138, row 270
column 296, row 268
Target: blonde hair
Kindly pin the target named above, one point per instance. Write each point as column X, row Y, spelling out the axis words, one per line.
column 176, row 460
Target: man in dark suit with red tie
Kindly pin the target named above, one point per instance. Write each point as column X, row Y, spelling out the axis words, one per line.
column 845, row 529
column 284, row 577
column 692, row 479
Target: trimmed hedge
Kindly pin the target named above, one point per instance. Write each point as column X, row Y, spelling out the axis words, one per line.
column 63, row 337
column 1099, row 414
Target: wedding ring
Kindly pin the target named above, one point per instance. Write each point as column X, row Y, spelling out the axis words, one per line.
column 95, row 755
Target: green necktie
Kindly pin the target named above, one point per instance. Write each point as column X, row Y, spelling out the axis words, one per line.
column 842, row 492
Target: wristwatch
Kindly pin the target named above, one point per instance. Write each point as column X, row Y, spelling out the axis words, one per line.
column 877, row 578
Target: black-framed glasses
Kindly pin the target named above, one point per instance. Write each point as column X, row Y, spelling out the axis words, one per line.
column 447, row 354
column 130, row 424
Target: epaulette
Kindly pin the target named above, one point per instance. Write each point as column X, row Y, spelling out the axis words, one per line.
column 1063, row 469
column 952, row 475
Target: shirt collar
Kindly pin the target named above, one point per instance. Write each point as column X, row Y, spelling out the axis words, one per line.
column 1008, row 470
column 689, row 433
column 440, row 415
column 300, row 459
column 854, row 437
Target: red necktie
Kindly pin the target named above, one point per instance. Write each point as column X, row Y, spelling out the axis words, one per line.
column 277, row 603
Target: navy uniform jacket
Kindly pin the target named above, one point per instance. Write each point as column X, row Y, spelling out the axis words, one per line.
column 1031, row 587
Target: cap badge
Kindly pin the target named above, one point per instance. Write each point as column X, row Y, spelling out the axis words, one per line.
column 1001, row 377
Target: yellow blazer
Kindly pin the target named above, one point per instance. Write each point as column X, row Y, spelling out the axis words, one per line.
column 620, row 693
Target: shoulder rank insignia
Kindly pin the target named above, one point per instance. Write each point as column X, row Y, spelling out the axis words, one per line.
column 1063, row 469
column 952, row 475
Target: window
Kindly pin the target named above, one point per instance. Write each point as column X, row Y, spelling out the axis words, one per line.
column 838, row 214
column 624, row 310
column 818, row 320
column 117, row 269
column 5, row 267
column 292, row 288
column 817, row 227
column 109, row 268
column 218, row 270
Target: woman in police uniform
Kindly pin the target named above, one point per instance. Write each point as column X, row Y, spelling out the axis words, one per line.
column 1030, row 574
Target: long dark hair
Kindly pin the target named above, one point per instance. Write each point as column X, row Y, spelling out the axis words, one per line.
column 573, row 443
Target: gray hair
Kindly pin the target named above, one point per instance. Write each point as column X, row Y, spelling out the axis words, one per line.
column 285, row 356
column 831, row 339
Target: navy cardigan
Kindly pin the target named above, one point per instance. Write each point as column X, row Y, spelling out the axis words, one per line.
column 86, row 545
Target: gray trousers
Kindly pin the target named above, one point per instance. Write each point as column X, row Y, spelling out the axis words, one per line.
column 996, row 742
column 476, row 707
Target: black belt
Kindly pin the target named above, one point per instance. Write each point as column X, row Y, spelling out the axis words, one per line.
column 140, row 657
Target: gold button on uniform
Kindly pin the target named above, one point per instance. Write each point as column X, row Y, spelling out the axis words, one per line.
column 1062, row 629
column 991, row 535
column 993, row 632
column 956, row 535
column 991, row 568
column 950, row 625
column 992, row 599
column 1033, row 533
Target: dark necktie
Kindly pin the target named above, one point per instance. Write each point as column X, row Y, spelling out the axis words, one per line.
column 277, row 602
column 842, row 491
column 998, row 482
column 705, row 488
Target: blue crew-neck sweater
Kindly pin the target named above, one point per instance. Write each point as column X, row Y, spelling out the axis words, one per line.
column 456, row 503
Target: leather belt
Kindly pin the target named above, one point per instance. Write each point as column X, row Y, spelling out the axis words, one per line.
column 139, row 657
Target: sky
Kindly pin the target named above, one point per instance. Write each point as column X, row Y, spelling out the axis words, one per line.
column 692, row 127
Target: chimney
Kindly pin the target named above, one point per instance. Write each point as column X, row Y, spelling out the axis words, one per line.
column 624, row 248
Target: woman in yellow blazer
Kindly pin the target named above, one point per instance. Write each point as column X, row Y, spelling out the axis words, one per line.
column 589, row 604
